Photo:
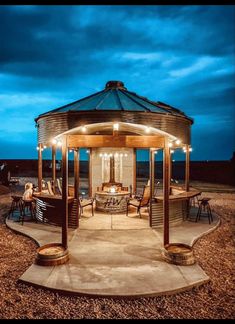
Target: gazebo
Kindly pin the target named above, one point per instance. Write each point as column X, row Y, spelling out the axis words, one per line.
column 119, row 121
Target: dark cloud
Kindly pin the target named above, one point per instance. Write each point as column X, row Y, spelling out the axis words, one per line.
column 181, row 55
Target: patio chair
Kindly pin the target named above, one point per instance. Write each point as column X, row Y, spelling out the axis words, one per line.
column 59, row 186
column 49, row 187
column 83, row 202
column 139, row 201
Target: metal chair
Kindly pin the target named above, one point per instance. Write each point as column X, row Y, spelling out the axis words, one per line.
column 49, row 187
column 83, row 202
column 59, row 186
column 140, row 201
column 28, row 206
column 16, row 205
column 205, row 207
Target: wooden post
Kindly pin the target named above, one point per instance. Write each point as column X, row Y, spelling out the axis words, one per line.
column 54, row 166
column 170, row 168
column 151, row 177
column 40, row 168
column 152, row 173
column 134, row 171
column 76, row 173
column 64, row 192
column 90, row 172
column 187, row 168
column 166, row 192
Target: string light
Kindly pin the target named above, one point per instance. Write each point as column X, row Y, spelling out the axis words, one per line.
column 84, row 129
column 116, row 126
column 147, row 129
column 54, row 141
column 172, row 151
column 178, row 141
column 37, row 148
column 59, row 143
column 170, row 144
column 44, row 146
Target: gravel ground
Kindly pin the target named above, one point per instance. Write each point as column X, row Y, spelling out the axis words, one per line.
column 214, row 300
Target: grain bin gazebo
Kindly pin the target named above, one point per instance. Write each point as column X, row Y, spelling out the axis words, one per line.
column 113, row 118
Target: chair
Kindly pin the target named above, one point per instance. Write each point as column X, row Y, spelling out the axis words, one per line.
column 83, row 202
column 28, row 205
column 16, row 205
column 205, row 206
column 59, row 186
column 140, row 201
column 49, row 187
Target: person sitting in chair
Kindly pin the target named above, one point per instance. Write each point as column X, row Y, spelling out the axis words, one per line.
column 28, row 194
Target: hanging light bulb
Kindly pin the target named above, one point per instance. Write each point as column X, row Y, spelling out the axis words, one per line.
column 147, row 129
column 59, row 143
column 172, row 151
column 44, row 146
column 84, row 129
column 170, row 144
column 37, row 148
column 54, row 141
column 178, row 141
column 116, row 126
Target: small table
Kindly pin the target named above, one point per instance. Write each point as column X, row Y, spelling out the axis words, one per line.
column 112, row 202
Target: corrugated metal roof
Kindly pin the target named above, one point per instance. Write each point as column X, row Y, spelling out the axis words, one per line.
column 116, row 97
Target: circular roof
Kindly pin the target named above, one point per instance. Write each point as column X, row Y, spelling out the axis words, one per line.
column 115, row 97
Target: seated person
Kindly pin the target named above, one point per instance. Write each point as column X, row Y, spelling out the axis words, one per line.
column 28, row 194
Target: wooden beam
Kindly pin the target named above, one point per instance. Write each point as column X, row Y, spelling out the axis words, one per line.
column 115, row 141
column 40, row 168
column 166, row 192
column 187, row 168
column 90, row 173
column 64, row 192
column 76, row 173
column 134, row 171
column 54, row 166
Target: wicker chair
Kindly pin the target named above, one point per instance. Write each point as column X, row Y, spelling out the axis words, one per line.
column 139, row 202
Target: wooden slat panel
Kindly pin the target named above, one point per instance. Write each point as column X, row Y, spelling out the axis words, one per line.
column 115, row 141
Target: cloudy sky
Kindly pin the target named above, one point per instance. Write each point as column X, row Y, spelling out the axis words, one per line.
column 181, row 55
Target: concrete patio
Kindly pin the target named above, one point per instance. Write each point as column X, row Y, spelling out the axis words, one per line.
column 115, row 255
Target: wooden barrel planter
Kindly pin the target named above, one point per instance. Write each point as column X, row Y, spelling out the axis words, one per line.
column 52, row 254
column 178, row 253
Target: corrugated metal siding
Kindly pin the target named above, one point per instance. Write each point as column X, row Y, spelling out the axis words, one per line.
column 177, row 212
column 52, row 125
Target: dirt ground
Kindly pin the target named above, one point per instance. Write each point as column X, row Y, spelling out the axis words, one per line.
column 213, row 300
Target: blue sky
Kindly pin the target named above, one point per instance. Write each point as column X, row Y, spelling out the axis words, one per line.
column 181, row 55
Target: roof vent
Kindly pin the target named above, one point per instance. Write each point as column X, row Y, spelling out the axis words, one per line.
column 114, row 84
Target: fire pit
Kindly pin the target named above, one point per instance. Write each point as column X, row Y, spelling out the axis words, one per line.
column 112, row 202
